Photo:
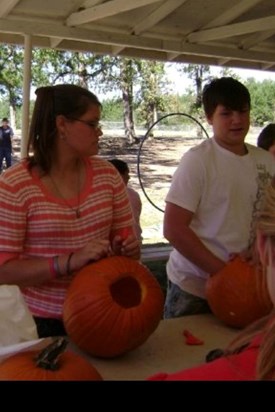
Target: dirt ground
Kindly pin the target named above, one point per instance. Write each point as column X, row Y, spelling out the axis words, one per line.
column 152, row 163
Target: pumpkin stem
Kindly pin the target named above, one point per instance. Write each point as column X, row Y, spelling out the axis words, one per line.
column 48, row 357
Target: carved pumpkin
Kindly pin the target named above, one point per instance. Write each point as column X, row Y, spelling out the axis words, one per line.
column 237, row 294
column 112, row 306
column 52, row 363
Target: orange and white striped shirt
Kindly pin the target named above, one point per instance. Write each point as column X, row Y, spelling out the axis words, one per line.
column 35, row 223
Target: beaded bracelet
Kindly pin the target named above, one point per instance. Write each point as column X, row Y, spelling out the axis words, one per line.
column 54, row 267
column 68, row 268
column 51, row 267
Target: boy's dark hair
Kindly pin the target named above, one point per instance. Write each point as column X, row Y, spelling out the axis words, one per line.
column 5, row 119
column 226, row 91
column 267, row 137
column 120, row 165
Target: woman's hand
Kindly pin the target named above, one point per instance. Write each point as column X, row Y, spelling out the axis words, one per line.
column 130, row 246
column 93, row 250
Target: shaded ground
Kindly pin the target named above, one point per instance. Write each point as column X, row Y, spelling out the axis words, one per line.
column 152, row 164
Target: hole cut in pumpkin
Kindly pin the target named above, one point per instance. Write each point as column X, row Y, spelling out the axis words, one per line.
column 112, row 306
column 126, row 292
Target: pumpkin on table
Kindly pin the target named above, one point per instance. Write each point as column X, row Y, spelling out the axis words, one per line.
column 238, row 294
column 52, row 363
column 112, row 306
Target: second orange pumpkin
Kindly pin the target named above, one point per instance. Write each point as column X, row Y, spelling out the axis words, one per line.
column 237, row 294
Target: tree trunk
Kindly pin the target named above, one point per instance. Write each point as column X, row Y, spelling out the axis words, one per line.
column 12, row 118
column 127, row 98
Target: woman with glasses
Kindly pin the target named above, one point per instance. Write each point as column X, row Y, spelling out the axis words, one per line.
column 62, row 206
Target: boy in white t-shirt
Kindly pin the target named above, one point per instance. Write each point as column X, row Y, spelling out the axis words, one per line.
column 213, row 199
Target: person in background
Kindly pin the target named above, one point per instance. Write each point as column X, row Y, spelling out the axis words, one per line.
column 213, row 198
column 251, row 355
column 6, row 135
column 134, row 197
column 266, row 139
column 62, row 206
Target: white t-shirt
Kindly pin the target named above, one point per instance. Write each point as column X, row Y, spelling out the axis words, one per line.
column 223, row 191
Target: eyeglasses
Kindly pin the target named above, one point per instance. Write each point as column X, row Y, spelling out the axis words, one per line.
column 92, row 124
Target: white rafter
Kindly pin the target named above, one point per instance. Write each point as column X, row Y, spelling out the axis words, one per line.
column 236, row 29
column 6, row 6
column 103, row 10
column 55, row 41
column 256, row 38
column 153, row 29
column 157, row 15
column 142, row 43
column 232, row 13
column 117, row 49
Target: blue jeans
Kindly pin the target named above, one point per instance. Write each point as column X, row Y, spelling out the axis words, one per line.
column 181, row 303
column 5, row 153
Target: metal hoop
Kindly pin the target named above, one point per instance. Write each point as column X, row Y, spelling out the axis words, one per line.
column 144, row 139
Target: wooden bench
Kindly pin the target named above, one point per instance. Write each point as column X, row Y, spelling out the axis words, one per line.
column 154, row 253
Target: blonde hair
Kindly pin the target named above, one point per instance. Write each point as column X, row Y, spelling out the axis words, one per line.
column 265, row 367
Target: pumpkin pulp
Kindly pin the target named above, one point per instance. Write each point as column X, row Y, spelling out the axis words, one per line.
column 126, row 292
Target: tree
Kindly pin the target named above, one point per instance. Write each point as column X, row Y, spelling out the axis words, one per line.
column 152, row 86
column 262, row 101
column 198, row 73
column 103, row 73
column 127, row 74
column 54, row 66
column 11, row 77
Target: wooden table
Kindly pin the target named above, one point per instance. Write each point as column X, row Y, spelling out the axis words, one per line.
column 165, row 350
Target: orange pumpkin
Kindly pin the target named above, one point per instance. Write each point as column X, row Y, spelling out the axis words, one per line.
column 112, row 306
column 237, row 294
column 52, row 363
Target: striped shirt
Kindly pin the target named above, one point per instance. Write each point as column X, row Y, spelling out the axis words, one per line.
column 35, row 223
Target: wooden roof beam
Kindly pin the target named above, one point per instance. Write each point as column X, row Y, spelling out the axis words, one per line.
column 107, row 9
column 232, row 13
column 237, row 29
column 157, row 15
column 6, row 6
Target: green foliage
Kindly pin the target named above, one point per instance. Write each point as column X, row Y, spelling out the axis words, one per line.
column 4, row 108
column 112, row 110
column 152, row 86
column 58, row 66
column 11, row 74
column 262, row 101
column 142, row 85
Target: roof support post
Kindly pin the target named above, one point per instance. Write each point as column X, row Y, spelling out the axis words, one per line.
column 26, row 93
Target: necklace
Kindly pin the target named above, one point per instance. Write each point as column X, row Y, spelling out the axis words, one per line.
column 77, row 210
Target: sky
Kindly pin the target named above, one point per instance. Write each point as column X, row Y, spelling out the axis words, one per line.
column 180, row 81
